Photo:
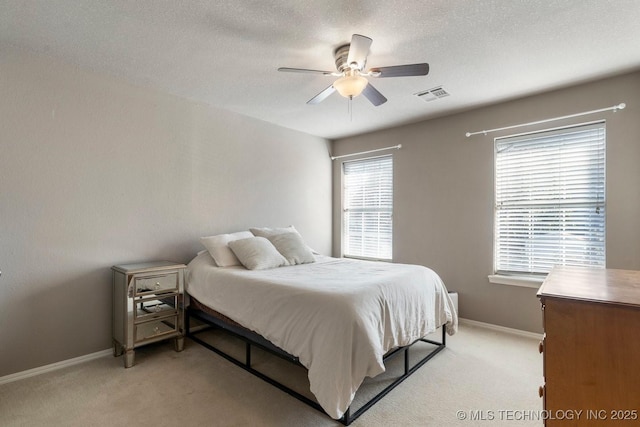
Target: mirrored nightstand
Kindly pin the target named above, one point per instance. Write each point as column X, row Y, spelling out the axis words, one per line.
column 147, row 306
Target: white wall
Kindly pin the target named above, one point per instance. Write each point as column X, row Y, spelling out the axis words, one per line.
column 94, row 172
column 443, row 182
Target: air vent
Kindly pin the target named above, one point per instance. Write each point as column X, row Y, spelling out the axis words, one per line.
column 432, row 94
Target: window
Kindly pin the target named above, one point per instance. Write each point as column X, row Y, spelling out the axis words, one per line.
column 367, row 208
column 550, row 200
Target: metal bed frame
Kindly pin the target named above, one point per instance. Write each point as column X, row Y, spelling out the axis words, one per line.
column 253, row 339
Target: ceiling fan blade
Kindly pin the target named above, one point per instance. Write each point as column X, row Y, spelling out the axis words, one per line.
column 372, row 94
column 358, row 50
column 305, row 70
column 401, row 70
column 322, row 95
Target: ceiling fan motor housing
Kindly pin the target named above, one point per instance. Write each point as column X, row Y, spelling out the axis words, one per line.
column 341, row 55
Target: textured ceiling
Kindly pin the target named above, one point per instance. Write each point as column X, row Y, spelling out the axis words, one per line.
column 226, row 53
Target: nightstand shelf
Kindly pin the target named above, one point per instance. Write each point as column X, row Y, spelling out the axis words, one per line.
column 147, row 306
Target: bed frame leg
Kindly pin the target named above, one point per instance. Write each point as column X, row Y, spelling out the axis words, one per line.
column 187, row 322
column 346, row 418
column 406, row 361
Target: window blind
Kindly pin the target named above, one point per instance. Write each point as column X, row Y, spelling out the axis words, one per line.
column 368, row 207
column 550, row 200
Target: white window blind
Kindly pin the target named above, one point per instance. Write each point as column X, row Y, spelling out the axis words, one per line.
column 368, row 207
column 550, row 200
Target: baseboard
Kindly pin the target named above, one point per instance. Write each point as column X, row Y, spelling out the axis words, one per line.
column 65, row 363
column 54, row 366
column 498, row 328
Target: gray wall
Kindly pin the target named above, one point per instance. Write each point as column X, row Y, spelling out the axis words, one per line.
column 443, row 182
column 94, row 172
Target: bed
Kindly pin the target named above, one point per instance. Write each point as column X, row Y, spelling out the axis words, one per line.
column 339, row 318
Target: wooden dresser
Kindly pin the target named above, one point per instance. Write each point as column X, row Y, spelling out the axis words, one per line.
column 591, row 347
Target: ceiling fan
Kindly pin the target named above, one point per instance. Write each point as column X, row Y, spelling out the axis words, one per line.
column 350, row 62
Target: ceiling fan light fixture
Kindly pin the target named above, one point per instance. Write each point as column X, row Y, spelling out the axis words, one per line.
column 350, row 86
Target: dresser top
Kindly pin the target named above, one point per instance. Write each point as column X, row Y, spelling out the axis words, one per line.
column 593, row 284
column 141, row 267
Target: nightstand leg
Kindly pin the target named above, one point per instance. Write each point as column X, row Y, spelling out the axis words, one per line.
column 178, row 343
column 129, row 358
column 117, row 349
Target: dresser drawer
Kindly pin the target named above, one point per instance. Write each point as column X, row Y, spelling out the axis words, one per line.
column 156, row 329
column 147, row 285
column 154, row 307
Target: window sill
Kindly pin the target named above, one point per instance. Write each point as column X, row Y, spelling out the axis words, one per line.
column 362, row 258
column 522, row 281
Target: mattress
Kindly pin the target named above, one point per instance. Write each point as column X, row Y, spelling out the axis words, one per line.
column 338, row 316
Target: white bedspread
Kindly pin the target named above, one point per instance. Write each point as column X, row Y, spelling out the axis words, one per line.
column 338, row 316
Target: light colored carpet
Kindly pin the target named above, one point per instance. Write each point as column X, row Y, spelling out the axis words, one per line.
column 486, row 374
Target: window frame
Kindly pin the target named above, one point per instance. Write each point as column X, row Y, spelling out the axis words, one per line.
column 534, row 280
column 343, row 209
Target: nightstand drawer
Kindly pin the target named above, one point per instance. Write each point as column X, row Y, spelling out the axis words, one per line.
column 147, row 285
column 155, row 329
column 150, row 308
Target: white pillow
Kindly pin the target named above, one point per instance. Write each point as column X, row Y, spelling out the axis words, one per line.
column 218, row 247
column 270, row 232
column 293, row 248
column 257, row 253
